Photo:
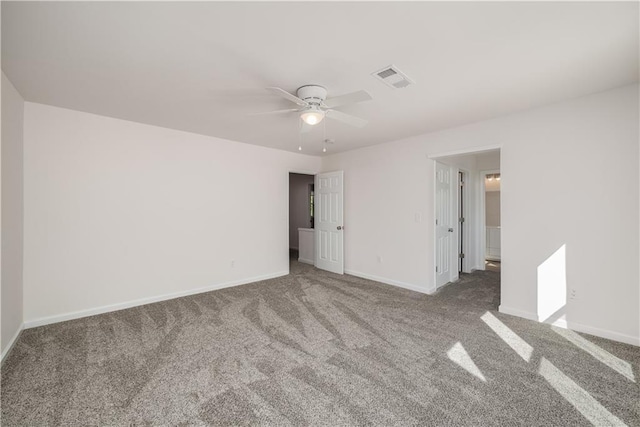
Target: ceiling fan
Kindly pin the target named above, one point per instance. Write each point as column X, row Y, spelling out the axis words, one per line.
column 314, row 106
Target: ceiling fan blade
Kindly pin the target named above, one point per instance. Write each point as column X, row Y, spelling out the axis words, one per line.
column 290, row 110
column 286, row 95
column 347, row 118
column 349, row 98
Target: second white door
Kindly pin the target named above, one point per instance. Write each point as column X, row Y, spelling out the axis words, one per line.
column 328, row 200
column 444, row 224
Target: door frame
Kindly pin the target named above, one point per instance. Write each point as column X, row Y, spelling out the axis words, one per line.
column 483, row 212
column 479, row 233
column 286, row 214
column 467, row 266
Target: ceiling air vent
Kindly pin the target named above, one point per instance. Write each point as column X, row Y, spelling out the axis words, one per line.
column 393, row 77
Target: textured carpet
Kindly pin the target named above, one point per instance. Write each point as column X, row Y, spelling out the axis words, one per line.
column 314, row 348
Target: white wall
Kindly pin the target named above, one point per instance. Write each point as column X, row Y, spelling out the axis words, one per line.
column 102, row 197
column 586, row 199
column 492, row 208
column 492, row 203
column 12, row 151
column 298, row 205
column 488, row 161
column 117, row 213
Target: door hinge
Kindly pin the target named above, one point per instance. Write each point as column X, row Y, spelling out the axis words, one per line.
column 436, row 268
column 461, row 219
column 460, row 255
column 436, row 222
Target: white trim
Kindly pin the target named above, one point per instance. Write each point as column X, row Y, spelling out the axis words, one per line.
column 465, row 227
column 562, row 323
column 433, row 224
column 390, row 282
column 12, row 343
column 135, row 303
column 454, row 274
column 306, row 261
column 518, row 313
column 457, row 279
column 603, row 333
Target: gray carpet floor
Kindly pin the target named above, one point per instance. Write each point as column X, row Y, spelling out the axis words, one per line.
column 315, row 348
column 492, row 265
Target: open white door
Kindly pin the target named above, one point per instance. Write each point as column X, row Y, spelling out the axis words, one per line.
column 444, row 224
column 328, row 197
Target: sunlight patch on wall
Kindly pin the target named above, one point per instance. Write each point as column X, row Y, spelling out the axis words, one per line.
column 459, row 355
column 519, row 345
column 623, row 368
column 589, row 407
column 552, row 284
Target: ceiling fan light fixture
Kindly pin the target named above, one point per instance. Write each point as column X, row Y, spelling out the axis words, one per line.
column 312, row 116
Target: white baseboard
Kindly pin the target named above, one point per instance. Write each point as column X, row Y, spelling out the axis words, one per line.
column 518, row 313
column 578, row 327
column 307, row 261
column 450, row 282
column 390, row 282
column 603, row 333
column 11, row 343
column 121, row 306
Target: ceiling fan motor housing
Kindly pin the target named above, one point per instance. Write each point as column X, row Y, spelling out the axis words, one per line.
column 312, row 94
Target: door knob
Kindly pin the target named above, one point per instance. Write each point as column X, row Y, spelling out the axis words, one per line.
column 339, row 227
column 450, row 230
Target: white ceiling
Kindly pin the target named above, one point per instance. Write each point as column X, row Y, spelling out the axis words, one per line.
column 202, row 67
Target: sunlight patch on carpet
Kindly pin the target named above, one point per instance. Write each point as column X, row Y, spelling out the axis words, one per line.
column 615, row 363
column 589, row 407
column 518, row 345
column 459, row 355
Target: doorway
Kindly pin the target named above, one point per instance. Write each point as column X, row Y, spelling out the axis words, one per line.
column 301, row 218
column 460, row 234
column 491, row 181
column 316, row 227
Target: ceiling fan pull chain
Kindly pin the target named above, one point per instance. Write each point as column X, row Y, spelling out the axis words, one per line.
column 324, row 139
column 299, row 134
